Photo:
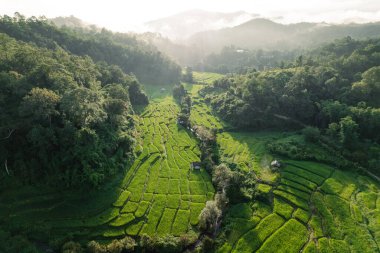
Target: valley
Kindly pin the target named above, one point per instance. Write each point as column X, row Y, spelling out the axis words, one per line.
column 212, row 132
column 303, row 207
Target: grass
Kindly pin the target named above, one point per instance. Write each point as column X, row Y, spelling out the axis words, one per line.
column 316, row 225
column 122, row 198
column 173, row 201
column 282, row 208
column 198, row 198
column 332, row 186
column 102, row 218
column 253, row 239
column 134, row 229
column 242, row 210
column 332, row 245
column 198, row 188
column 301, row 194
column 195, row 210
column 300, row 180
column 315, row 178
column 292, row 198
column 166, row 221
column 181, row 222
column 114, row 232
column 263, row 188
column 158, row 194
column 206, row 77
column 316, row 168
column 295, row 185
column 160, row 184
column 311, row 248
column 239, row 226
column 367, row 200
column 289, row 238
column 130, row 207
column 122, row 220
column 302, row 215
column 247, row 151
column 142, row 208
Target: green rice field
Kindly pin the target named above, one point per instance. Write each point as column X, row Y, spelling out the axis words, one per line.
column 205, row 77
column 158, row 195
column 310, row 207
column 303, row 207
column 313, row 208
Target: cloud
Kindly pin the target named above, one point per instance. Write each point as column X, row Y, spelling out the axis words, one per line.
column 123, row 14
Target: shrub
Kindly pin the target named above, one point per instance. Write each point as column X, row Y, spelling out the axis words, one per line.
column 311, row 134
column 72, row 247
column 95, row 247
column 209, row 216
column 222, row 176
column 168, row 244
column 207, row 244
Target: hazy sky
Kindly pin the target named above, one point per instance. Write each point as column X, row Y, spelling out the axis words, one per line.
column 123, row 15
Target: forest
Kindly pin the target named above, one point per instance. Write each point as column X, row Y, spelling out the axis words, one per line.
column 333, row 91
column 124, row 50
column 117, row 142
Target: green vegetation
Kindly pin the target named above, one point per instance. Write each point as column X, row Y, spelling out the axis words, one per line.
column 298, row 185
column 289, row 238
column 334, row 210
column 282, row 208
column 154, row 187
column 205, row 77
column 66, row 126
column 123, row 50
column 332, row 93
column 88, row 157
column 252, row 240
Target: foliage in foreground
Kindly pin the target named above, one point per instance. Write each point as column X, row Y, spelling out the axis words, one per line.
column 66, row 120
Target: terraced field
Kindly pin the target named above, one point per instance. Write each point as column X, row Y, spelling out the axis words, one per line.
column 307, row 207
column 201, row 113
column 205, row 77
column 159, row 194
column 314, row 208
column 247, row 151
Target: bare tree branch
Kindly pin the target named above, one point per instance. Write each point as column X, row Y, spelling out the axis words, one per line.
column 10, row 132
column 6, row 166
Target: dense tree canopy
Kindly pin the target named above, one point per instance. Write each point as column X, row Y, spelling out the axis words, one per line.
column 123, row 50
column 64, row 118
column 334, row 88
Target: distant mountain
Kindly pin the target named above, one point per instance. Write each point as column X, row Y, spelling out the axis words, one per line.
column 70, row 21
column 266, row 34
column 186, row 24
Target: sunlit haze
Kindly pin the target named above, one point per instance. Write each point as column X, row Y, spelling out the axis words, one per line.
column 121, row 15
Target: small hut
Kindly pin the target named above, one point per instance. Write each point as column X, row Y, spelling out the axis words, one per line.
column 275, row 164
column 195, row 165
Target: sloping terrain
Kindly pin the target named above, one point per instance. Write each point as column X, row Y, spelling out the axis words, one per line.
column 159, row 194
column 303, row 207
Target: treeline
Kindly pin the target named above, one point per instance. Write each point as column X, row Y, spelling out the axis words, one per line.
column 233, row 59
column 184, row 100
column 65, row 120
column 126, row 51
column 335, row 89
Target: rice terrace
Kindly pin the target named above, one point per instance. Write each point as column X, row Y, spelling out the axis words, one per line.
column 209, row 132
